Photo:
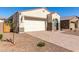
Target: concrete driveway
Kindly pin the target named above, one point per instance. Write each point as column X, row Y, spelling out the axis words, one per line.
column 70, row 42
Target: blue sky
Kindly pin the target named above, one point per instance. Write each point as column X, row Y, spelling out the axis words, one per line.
column 63, row 11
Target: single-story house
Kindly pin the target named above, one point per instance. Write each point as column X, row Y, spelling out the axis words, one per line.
column 1, row 24
column 70, row 22
column 35, row 20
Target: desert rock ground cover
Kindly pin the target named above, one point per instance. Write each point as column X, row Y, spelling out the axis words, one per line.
column 27, row 43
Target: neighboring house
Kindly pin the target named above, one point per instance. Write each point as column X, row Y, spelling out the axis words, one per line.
column 35, row 20
column 1, row 25
column 70, row 22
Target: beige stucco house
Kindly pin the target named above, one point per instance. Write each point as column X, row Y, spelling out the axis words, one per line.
column 35, row 20
column 70, row 22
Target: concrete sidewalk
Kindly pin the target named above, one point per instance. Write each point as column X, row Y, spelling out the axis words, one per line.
column 70, row 42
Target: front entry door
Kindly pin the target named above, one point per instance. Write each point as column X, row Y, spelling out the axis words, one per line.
column 55, row 24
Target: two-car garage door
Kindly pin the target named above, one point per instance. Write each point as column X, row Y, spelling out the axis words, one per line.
column 34, row 25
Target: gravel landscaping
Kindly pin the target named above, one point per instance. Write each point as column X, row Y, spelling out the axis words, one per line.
column 28, row 43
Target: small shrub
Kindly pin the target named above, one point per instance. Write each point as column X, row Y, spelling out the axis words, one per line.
column 41, row 44
column 1, row 36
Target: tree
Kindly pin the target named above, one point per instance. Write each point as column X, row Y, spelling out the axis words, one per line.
column 12, row 26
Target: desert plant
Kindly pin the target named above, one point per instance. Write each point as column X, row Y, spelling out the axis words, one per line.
column 1, row 36
column 41, row 44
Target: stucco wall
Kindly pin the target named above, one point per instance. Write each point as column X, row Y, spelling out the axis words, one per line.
column 56, row 16
column 72, row 25
column 39, row 13
column 36, row 13
column 1, row 25
column 1, row 20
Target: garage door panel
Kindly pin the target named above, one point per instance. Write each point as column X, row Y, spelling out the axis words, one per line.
column 34, row 25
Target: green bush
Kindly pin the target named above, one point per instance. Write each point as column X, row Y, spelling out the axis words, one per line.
column 41, row 44
column 1, row 36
